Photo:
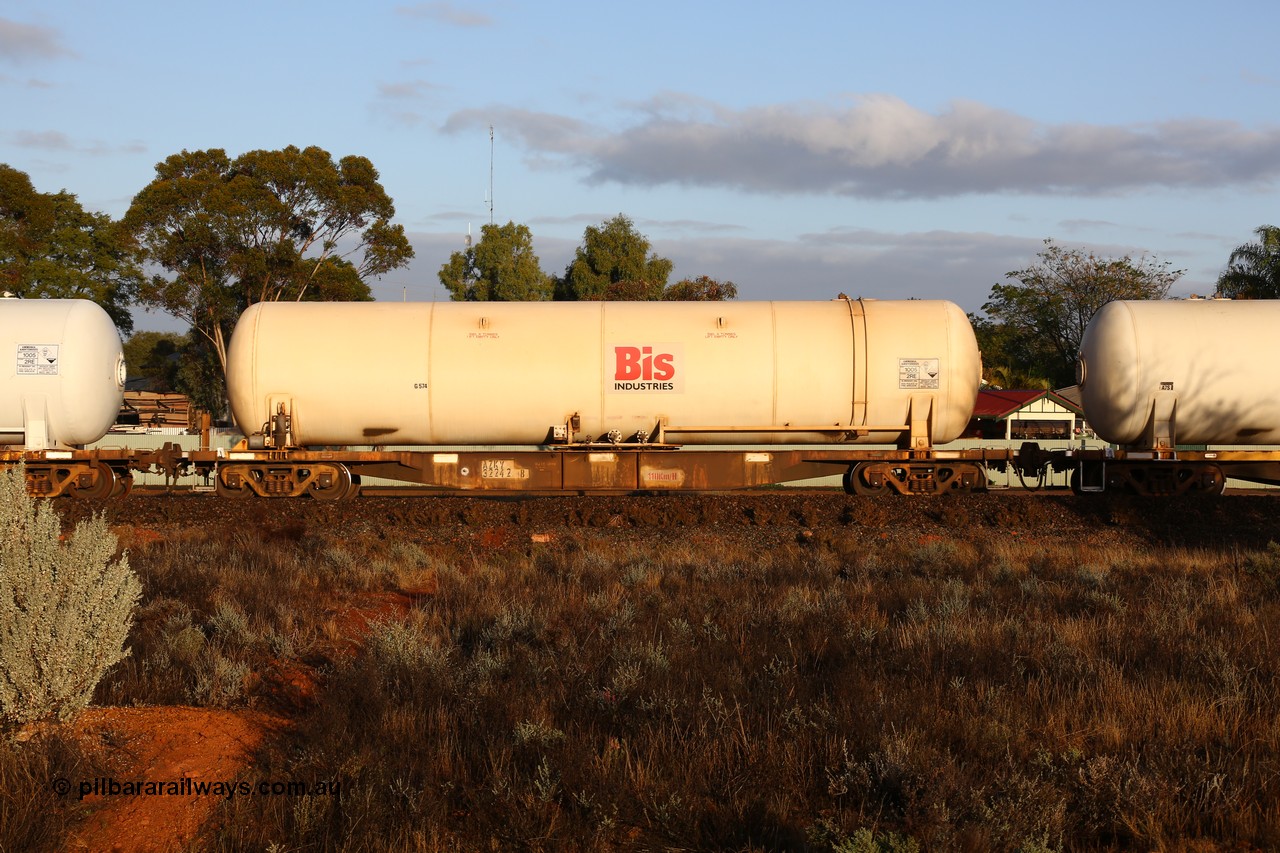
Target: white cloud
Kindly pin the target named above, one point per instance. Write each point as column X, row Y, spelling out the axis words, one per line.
column 22, row 42
column 956, row 265
column 539, row 132
column 47, row 140
column 406, row 90
column 1075, row 226
column 878, row 146
column 55, row 140
column 1256, row 79
column 446, row 13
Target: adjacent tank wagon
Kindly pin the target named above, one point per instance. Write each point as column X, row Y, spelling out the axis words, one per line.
column 1198, row 371
column 64, row 381
column 63, row 387
column 1163, row 379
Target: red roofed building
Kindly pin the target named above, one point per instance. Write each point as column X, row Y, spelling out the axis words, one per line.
column 1025, row 416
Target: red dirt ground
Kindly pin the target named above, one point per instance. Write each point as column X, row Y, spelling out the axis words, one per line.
column 163, row 745
column 171, row 744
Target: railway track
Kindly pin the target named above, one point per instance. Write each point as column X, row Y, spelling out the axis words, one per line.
column 777, row 515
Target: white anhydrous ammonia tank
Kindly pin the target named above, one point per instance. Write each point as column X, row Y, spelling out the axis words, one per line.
column 508, row 373
column 64, row 376
column 1197, row 371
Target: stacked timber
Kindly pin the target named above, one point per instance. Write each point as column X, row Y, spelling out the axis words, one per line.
column 156, row 410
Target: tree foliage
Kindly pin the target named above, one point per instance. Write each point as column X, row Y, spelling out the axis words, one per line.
column 1042, row 312
column 614, row 262
column 154, row 357
column 1253, row 271
column 201, row 375
column 501, row 267
column 1007, row 362
column 268, row 225
column 52, row 248
column 700, row 289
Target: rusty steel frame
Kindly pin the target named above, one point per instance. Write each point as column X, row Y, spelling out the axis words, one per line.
column 602, row 468
column 60, row 471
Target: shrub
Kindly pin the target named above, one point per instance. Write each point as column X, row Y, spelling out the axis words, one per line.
column 65, row 607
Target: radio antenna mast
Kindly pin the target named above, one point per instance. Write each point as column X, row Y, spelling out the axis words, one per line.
column 490, row 174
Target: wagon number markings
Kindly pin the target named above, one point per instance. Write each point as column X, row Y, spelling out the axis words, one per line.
column 502, row 469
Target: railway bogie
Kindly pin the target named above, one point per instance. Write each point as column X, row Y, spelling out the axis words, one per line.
column 280, row 479
column 1174, row 478
column 931, row 476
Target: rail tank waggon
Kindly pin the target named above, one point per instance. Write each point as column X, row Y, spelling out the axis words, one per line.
column 63, row 387
column 595, row 390
column 1197, row 371
column 1164, row 379
column 64, row 381
column 537, row 373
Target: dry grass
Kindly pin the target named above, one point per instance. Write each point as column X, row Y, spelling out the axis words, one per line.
column 32, row 815
column 848, row 693
column 597, row 695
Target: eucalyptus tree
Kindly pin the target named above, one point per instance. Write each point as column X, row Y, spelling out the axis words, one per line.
column 51, row 247
column 1043, row 311
column 267, row 225
column 701, row 289
column 501, row 267
column 614, row 262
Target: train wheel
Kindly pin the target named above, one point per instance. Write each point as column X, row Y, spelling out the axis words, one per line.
column 1214, row 482
column 124, row 485
column 102, row 487
column 223, row 490
column 855, row 483
column 341, row 487
column 960, row 478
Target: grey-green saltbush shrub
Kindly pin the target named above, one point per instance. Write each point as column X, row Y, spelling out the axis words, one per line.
column 65, row 607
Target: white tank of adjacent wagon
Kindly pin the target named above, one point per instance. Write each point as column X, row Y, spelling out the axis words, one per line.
column 509, row 373
column 1198, row 371
column 64, row 372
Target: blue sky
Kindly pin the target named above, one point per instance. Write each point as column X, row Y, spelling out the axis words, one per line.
column 799, row 150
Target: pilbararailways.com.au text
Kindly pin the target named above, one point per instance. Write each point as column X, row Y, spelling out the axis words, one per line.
column 187, row 787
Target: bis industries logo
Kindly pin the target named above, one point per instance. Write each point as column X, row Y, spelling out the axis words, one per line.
column 655, row 367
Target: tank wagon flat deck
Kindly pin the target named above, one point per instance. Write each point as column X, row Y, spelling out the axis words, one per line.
column 332, row 474
column 337, row 474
